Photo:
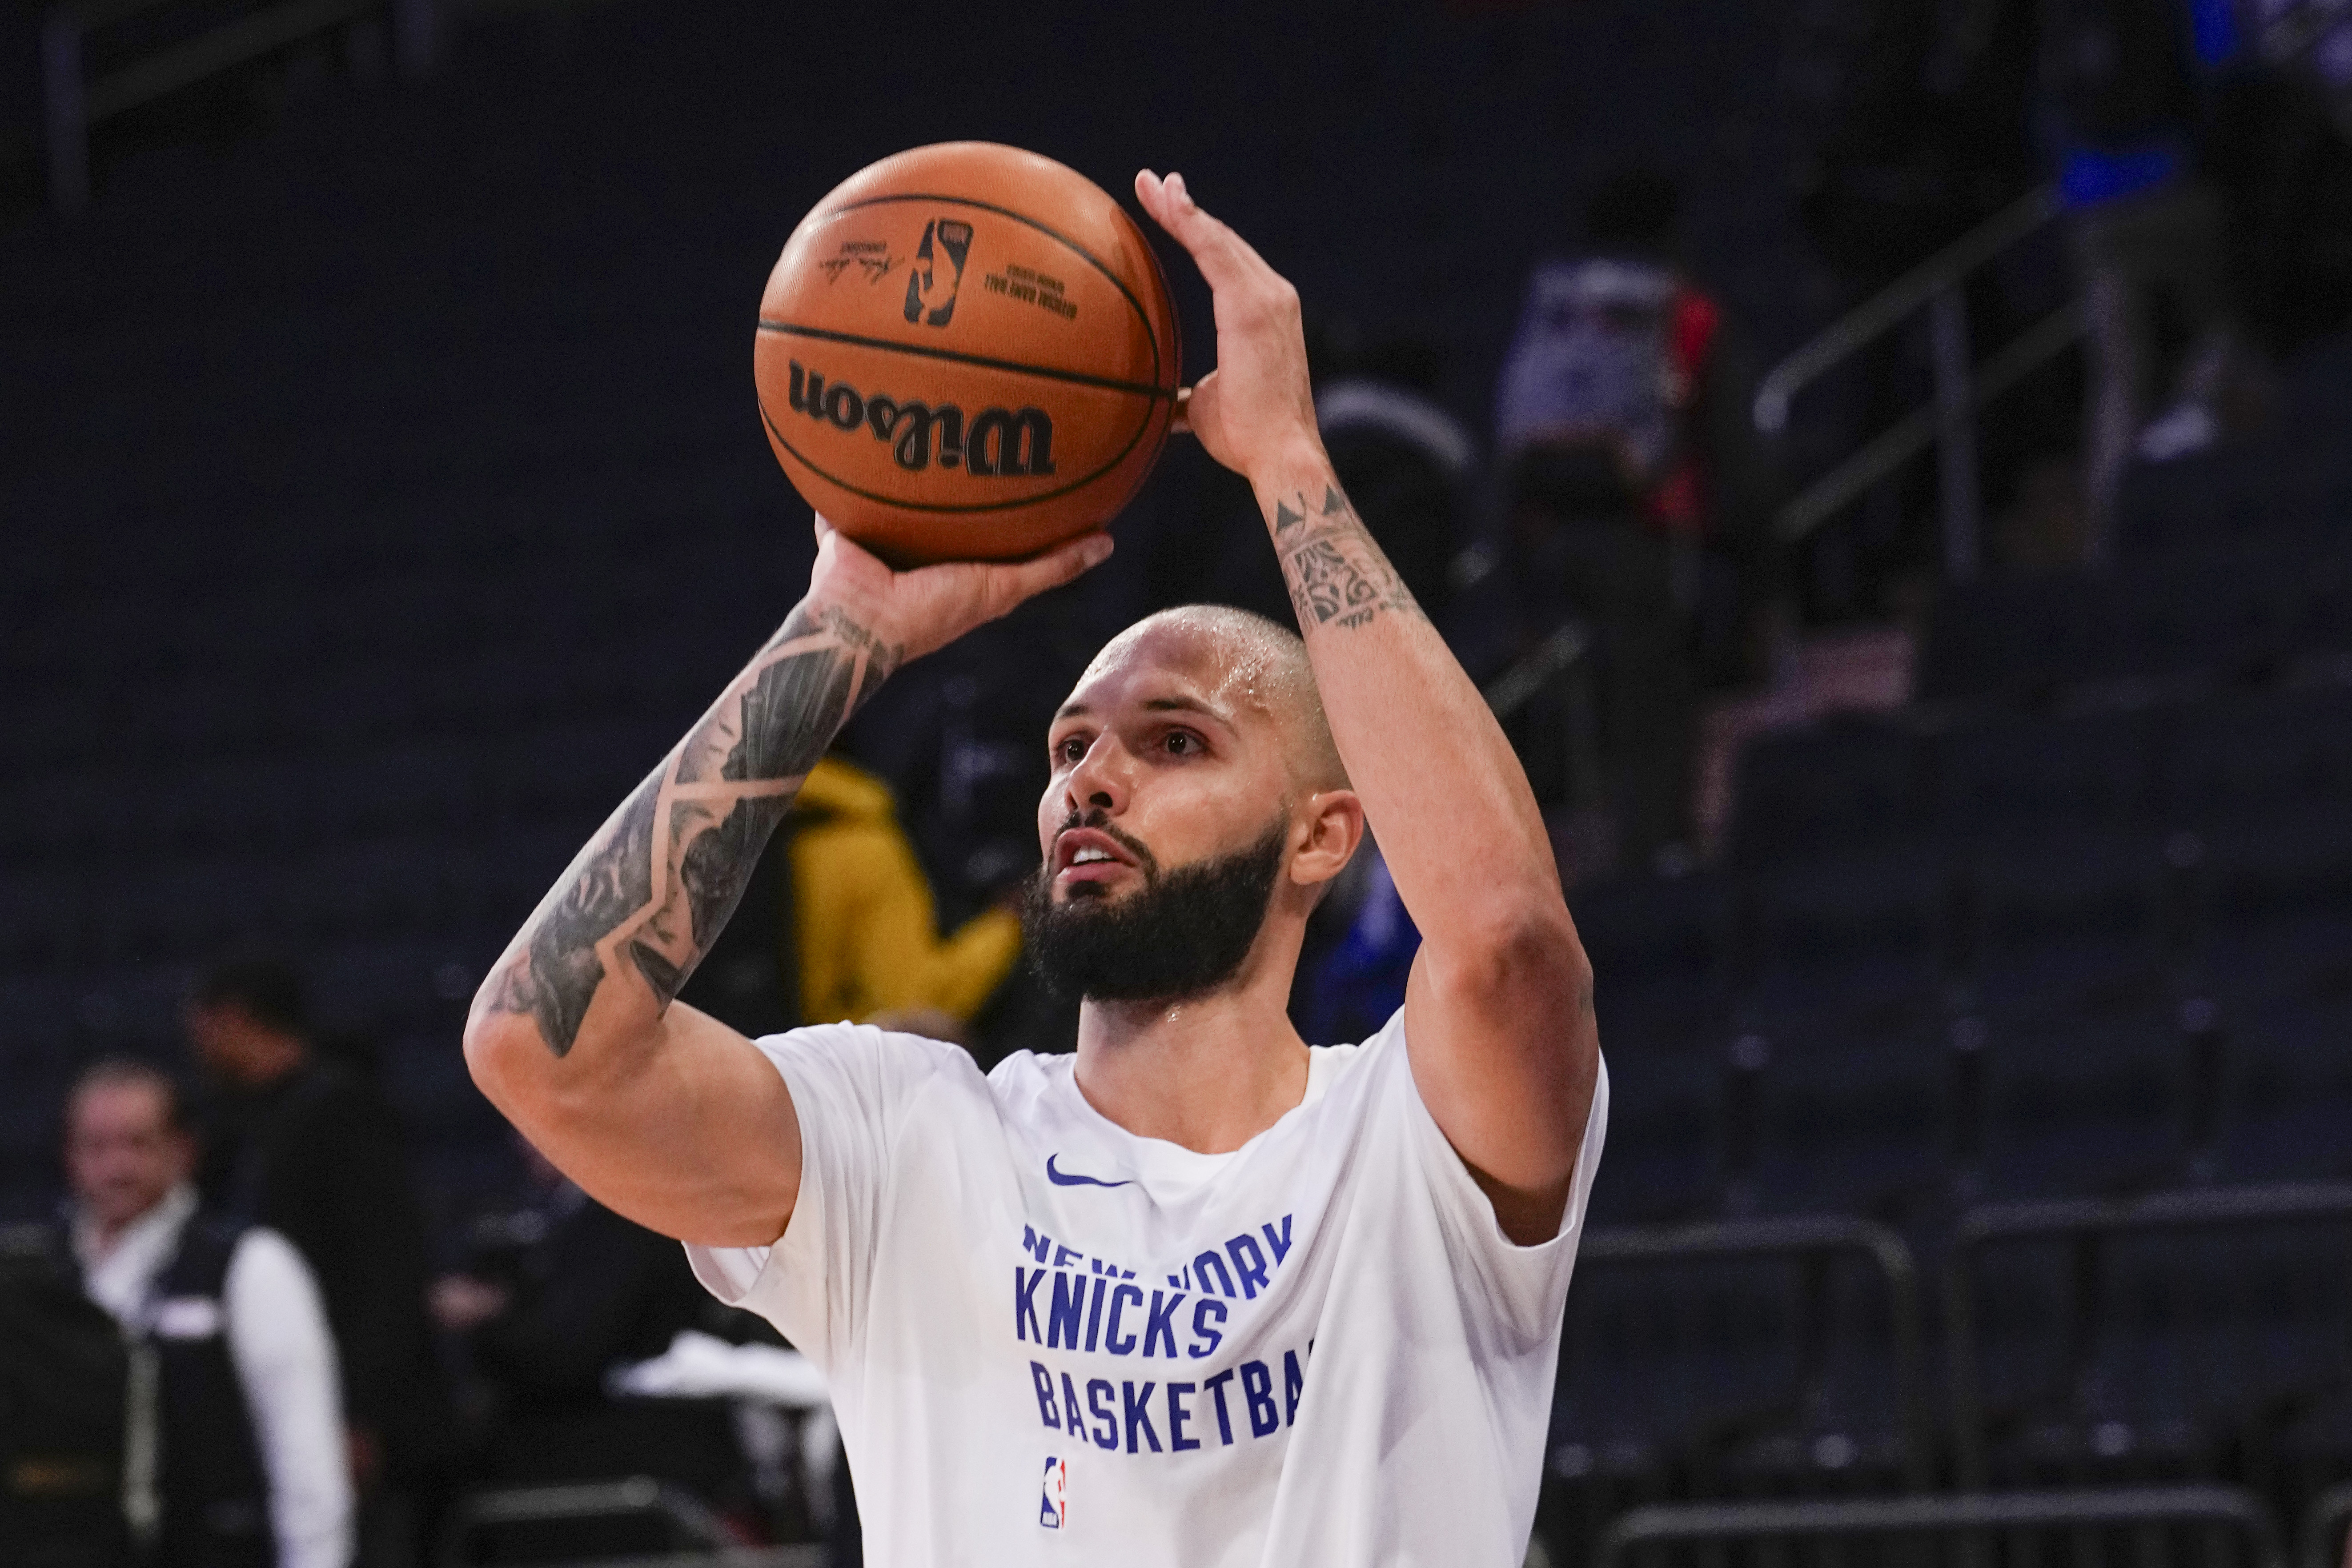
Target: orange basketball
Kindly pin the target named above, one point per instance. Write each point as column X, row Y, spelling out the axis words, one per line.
column 966, row 351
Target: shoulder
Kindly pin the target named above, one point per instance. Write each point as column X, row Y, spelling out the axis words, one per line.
column 862, row 1042
column 878, row 1067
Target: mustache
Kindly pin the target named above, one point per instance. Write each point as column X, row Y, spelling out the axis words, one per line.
column 1100, row 821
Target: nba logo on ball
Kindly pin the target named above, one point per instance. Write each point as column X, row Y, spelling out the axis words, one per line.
column 932, row 287
column 1053, row 1508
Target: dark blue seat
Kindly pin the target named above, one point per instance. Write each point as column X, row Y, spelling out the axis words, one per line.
column 2138, row 1353
column 2284, row 1071
column 1850, row 786
column 1660, row 954
column 1666, row 1135
column 1730, row 1373
column 2085, row 1106
column 2243, row 757
column 2068, row 924
column 2274, row 904
column 1857, row 948
column 1860, row 1129
column 2001, row 779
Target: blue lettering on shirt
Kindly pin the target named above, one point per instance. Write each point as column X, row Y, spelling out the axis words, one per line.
column 1177, row 1416
column 1070, row 1417
column 1200, row 1325
column 1294, row 1381
column 1034, row 1243
column 1044, row 1382
column 1212, row 1260
column 1094, row 1315
column 1064, row 1256
column 1281, row 1244
column 1025, row 1303
column 1160, row 1323
column 1257, row 1388
column 1098, row 1393
column 1216, row 1385
column 1062, row 1317
column 1251, row 1268
column 1138, row 1415
column 1114, row 1342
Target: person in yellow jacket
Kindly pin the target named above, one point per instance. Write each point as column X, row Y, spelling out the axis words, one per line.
column 864, row 924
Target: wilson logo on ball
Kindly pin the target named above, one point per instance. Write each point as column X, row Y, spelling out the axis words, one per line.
column 1009, row 443
column 930, row 287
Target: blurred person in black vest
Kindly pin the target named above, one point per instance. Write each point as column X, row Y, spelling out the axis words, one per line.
column 559, row 1291
column 234, row 1448
column 301, row 1143
column 1637, row 492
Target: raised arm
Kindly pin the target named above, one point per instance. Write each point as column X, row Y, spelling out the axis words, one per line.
column 659, row 1111
column 1498, row 1013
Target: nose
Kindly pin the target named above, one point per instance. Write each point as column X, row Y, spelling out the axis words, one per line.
column 1099, row 782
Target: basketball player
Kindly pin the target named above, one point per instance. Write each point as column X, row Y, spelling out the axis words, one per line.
column 1197, row 1294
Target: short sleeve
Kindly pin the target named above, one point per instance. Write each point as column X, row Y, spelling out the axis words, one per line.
column 851, row 1087
column 1521, row 1290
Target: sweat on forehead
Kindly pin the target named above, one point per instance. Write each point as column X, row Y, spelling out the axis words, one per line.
column 1241, row 660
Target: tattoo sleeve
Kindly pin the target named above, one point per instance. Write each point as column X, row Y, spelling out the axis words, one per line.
column 1337, row 575
column 651, row 891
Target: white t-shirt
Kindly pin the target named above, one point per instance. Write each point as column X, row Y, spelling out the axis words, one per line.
column 1051, row 1340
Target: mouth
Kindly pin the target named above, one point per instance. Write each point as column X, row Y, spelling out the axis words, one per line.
column 1088, row 855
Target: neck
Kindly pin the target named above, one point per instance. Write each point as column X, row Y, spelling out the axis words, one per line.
column 104, row 1233
column 1207, row 1072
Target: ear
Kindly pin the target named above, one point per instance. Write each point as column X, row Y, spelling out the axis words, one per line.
column 1333, row 825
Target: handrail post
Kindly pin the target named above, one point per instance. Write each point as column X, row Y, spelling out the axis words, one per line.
column 64, row 112
column 1955, row 430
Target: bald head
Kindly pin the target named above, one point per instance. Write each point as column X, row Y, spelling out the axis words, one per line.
column 1245, row 661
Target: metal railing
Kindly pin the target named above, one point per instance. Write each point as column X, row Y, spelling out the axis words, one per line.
column 1938, row 288
column 73, row 101
column 1559, row 663
column 683, row 1517
column 2086, row 1222
column 2155, row 1527
column 1804, row 1239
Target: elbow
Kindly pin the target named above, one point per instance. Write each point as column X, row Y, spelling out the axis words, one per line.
column 500, row 1047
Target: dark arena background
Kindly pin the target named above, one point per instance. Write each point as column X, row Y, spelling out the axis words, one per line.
column 1948, row 749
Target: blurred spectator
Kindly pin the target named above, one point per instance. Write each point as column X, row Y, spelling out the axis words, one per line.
column 839, row 922
column 1406, row 463
column 2121, row 100
column 574, row 1291
column 244, row 1417
column 865, row 933
column 1357, row 981
column 1636, row 492
column 303, row 1145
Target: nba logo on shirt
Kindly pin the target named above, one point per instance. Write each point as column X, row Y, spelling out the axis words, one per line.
column 1052, row 1508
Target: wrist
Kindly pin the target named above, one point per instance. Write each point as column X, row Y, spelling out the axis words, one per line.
column 1298, row 463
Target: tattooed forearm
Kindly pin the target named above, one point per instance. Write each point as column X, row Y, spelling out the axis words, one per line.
column 1337, row 575
column 653, row 888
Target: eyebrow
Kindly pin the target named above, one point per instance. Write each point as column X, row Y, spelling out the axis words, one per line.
column 1184, row 705
column 1154, row 705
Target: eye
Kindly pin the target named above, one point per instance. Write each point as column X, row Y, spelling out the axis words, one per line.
column 1070, row 749
column 1182, row 744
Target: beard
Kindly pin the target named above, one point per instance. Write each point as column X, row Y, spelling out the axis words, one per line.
column 1183, row 933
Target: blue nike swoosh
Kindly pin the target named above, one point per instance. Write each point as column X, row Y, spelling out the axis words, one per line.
column 1059, row 1180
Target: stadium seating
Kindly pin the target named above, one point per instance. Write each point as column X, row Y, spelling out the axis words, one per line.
column 354, row 654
